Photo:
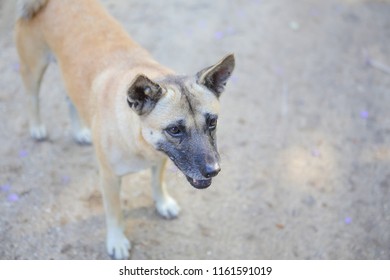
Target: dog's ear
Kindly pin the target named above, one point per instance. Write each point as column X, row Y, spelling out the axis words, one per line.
column 216, row 76
column 143, row 94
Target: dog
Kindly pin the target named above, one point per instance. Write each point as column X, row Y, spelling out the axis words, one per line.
column 136, row 112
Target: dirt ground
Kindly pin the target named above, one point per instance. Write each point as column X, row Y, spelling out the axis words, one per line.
column 304, row 136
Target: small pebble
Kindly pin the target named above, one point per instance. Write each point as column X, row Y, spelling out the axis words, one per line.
column 294, row 25
column 309, row 201
column 280, row 226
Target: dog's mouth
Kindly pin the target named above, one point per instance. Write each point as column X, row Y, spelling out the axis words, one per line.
column 196, row 183
column 199, row 184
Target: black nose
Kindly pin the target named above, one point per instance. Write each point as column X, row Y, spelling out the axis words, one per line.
column 211, row 170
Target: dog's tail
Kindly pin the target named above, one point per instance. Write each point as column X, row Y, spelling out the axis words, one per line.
column 27, row 9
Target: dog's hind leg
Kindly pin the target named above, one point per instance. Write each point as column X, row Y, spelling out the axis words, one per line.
column 81, row 133
column 165, row 204
column 34, row 57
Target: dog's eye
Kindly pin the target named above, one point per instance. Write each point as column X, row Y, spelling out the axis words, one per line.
column 212, row 123
column 174, row 131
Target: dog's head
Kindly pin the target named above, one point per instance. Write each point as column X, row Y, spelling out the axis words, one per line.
column 179, row 118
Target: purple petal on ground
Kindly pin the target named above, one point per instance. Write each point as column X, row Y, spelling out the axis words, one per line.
column 5, row 188
column 348, row 220
column 65, row 180
column 364, row 114
column 279, row 71
column 23, row 153
column 218, row 35
column 13, row 197
column 16, row 67
column 315, row 152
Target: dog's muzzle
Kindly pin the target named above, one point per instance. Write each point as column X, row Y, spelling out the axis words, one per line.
column 208, row 172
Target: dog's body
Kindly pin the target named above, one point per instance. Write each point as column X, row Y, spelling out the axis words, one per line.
column 136, row 111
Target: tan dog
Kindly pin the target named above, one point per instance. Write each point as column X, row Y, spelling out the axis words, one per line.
column 137, row 112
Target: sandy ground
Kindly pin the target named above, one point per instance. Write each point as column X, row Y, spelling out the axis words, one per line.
column 304, row 136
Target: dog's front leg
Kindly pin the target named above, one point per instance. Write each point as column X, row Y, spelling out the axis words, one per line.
column 165, row 204
column 118, row 245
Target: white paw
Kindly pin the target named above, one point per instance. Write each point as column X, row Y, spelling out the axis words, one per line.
column 83, row 136
column 118, row 246
column 38, row 132
column 168, row 208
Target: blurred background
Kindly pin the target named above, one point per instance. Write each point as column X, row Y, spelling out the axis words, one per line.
column 304, row 136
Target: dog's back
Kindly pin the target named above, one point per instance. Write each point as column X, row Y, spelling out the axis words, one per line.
column 85, row 39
